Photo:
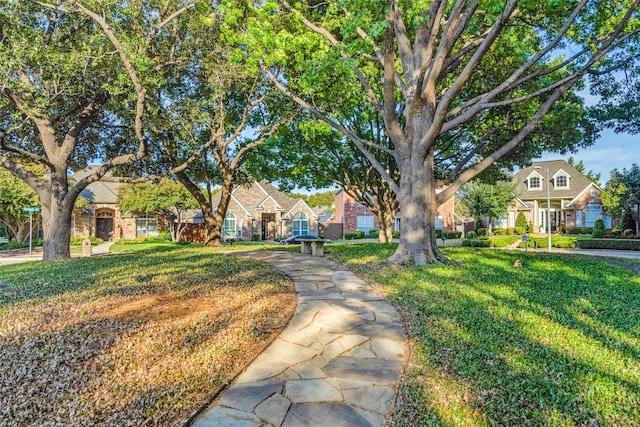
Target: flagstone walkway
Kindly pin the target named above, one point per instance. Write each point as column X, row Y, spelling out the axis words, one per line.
column 336, row 364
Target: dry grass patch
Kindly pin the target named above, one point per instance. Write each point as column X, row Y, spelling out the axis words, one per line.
column 140, row 339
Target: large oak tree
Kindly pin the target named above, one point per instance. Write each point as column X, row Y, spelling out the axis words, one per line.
column 73, row 84
column 460, row 84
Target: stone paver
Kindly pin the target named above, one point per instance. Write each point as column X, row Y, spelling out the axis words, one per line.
column 337, row 363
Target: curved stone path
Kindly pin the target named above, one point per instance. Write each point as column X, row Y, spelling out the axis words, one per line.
column 337, row 363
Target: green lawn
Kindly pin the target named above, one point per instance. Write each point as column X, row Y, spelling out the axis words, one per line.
column 553, row 342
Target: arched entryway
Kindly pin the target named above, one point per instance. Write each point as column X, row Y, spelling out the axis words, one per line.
column 104, row 223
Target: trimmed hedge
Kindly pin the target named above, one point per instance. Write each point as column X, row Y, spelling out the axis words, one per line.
column 556, row 242
column 619, row 244
column 477, row 243
column 490, row 242
column 77, row 240
column 452, row 234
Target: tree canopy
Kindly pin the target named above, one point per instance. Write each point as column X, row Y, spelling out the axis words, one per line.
column 488, row 200
column 621, row 194
column 166, row 198
column 74, row 78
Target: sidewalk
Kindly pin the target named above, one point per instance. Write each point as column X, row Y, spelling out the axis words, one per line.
column 337, row 363
column 15, row 256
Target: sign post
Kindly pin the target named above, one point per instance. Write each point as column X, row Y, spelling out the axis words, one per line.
column 30, row 211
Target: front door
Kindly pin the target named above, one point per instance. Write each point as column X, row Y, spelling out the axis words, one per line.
column 104, row 226
column 265, row 229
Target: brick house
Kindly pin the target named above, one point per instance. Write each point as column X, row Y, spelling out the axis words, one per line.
column 103, row 218
column 574, row 198
column 261, row 209
column 355, row 216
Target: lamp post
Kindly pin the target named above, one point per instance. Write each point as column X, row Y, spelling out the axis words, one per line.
column 548, row 208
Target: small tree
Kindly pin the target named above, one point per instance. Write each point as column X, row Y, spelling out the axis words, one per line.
column 488, row 200
column 165, row 198
column 15, row 194
column 598, row 229
column 521, row 221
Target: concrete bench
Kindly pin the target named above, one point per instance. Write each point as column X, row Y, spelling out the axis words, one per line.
column 315, row 247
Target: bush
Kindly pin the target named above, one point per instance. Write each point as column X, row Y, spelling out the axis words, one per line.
column 358, row 234
column 521, row 221
column 373, row 233
column 472, row 235
column 500, row 231
column 598, row 230
column 573, row 230
column 77, row 240
column 395, row 234
column 477, row 243
column 481, row 231
column 439, row 234
column 502, row 241
column 520, row 230
column 452, row 234
column 255, row 237
column 627, row 232
column 348, row 236
column 165, row 236
column 619, row 244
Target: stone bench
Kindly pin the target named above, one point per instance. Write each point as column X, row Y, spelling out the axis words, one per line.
column 315, row 247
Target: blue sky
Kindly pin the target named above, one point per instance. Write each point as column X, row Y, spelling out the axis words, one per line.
column 611, row 151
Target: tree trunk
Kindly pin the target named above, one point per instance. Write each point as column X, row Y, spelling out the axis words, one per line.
column 386, row 215
column 214, row 228
column 418, row 207
column 56, row 227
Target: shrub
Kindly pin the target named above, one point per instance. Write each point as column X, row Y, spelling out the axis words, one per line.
column 374, row 231
column 358, row 234
column 348, row 236
column 255, row 237
column 439, row 234
column 477, row 243
column 627, row 232
column 481, row 231
column 520, row 230
column 472, row 235
column 165, row 236
column 620, row 244
column 598, row 230
column 500, row 231
column 395, row 234
column 452, row 234
column 511, row 231
column 530, row 227
column 521, row 220
column 77, row 240
column 563, row 228
column 502, row 241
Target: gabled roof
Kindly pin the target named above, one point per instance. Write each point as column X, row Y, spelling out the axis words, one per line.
column 98, row 192
column 577, row 181
column 215, row 201
column 300, row 203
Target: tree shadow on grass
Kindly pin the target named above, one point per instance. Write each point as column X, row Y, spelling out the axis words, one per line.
column 543, row 344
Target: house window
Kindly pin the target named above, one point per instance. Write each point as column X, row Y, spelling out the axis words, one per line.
column 146, row 227
column 593, row 211
column 229, row 231
column 396, row 224
column 561, row 181
column 534, row 183
column 439, row 222
column 300, row 224
column 364, row 223
column 593, row 192
column 500, row 222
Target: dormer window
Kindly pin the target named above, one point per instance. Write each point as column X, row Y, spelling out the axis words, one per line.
column 561, row 179
column 535, row 183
